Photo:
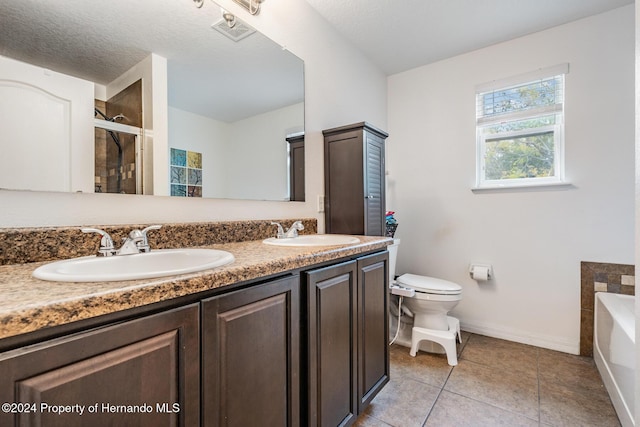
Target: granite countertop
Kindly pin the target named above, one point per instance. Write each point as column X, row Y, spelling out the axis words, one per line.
column 30, row 304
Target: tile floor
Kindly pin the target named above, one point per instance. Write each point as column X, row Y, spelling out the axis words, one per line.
column 496, row 383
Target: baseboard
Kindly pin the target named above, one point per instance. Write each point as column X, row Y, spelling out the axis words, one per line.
column 544, row 341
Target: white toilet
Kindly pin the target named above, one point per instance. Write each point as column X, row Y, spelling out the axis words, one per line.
column 428, row 300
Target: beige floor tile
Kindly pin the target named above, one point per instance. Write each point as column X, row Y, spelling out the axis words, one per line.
column 577, row 372
column 429, row 368
column 403, row 403
column 505, row 355
column 571, row 406
column 366, row 421
column 455, row 410
column 496, row 383
column 510, row 390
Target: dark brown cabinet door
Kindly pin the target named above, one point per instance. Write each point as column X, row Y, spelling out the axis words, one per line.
column 347, row 328
column 331, row 297
column 296, row 167
column 143, row 372
column 250, row 356
column 373, row 327
column 354, row 180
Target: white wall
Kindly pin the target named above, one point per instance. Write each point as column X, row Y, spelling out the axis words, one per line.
column 227, row 170
column 264, row 174
column 341, row 87
column 535, row 240
column 189, row 131
column 637, row 210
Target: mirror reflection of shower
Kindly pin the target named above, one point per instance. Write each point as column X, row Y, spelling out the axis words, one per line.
column 104, row 162
column 118, row 147
column 117, row 155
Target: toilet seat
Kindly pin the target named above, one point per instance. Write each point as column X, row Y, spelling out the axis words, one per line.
column 429, row 285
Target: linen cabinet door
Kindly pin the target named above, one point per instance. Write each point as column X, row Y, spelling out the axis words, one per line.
column 250, row 356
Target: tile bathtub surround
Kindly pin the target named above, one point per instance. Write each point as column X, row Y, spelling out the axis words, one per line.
column 600, row 277
column 24, row 245
column 496, row 383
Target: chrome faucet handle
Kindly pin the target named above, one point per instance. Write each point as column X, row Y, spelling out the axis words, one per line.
column 143, row 245
column 106, row 242
column 280, row 234
column 293, row 230
column 149, row 228
column 130, row 244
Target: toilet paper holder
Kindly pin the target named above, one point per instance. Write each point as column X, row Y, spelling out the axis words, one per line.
column 480, row 272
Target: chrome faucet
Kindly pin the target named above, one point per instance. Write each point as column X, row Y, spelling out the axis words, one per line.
column 291, row 232
column 280, row 234
column 106, row 242
column 136, row 243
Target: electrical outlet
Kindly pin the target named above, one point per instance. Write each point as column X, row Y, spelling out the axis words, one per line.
column 320, row 203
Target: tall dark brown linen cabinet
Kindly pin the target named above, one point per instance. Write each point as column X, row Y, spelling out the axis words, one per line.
column 354, row 179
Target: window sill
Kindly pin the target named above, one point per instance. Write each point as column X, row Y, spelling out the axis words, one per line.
column 552, row 186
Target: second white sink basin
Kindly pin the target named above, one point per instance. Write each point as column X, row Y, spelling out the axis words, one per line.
column 314, row 240
column 157, row 263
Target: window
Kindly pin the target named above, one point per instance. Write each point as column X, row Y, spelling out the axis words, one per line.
column 520, row 127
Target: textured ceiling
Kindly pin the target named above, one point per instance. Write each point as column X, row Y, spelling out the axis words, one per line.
column 398, row 35
column 99, row 40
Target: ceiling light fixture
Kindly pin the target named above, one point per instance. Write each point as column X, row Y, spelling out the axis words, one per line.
column 198, row 3
column 253, row 6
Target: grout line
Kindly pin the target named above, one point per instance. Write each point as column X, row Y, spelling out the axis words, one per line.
column 463, row 345
column 434, row 403
column 538, row 378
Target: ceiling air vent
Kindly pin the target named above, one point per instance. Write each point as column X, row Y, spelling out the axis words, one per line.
column 239, row 31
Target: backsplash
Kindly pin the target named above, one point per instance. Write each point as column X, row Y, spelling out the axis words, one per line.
column 600, row 277
column 24, row 245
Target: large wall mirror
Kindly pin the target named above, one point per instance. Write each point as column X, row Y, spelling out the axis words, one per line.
column 233, row 98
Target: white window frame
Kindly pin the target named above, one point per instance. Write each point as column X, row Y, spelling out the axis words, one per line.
column 483, row 122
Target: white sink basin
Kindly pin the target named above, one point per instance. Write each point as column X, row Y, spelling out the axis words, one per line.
column 157, row 263
column 314, row 240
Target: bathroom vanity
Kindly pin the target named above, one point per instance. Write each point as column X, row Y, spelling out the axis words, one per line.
column 283, row 336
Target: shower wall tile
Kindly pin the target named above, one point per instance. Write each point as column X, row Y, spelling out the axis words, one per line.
column 127, row 102
column 600, row 287
column 628, row 280
column 600, row 277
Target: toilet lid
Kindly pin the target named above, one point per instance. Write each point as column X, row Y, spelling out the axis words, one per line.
column 430, row 285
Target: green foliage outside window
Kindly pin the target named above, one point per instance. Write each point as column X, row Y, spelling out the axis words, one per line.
column 526, row 156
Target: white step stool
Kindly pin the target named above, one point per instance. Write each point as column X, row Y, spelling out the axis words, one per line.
column 446, row 339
